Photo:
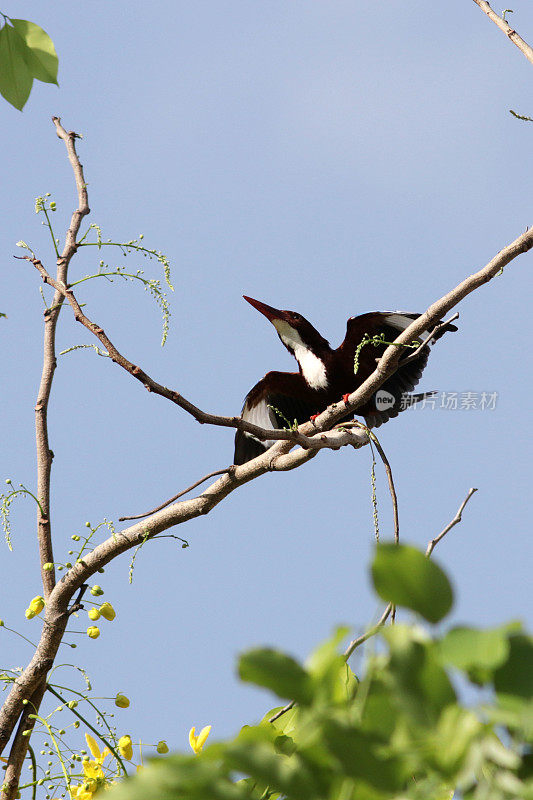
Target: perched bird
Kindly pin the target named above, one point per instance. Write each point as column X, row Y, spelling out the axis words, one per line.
column 326, row 375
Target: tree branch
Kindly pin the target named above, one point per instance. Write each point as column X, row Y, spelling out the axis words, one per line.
column 504, row 26
column 51, row 315
column 432, row 544
column 45, row 456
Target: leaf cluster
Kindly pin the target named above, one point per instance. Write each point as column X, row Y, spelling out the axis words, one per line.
column 398, row 731
column 26, row 53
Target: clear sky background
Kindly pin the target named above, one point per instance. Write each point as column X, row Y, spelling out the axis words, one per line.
column 330, row 158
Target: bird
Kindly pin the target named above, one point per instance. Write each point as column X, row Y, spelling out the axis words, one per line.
column 326, row 375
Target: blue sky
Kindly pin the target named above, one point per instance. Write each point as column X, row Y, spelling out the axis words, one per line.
column 328, row 158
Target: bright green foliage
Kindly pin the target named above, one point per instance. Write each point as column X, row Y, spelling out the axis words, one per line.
column 26, row 52
column 404, row 576
column 399, row 732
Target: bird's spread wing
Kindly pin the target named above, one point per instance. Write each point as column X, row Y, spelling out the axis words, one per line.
column 393, row 396
column 277, row 401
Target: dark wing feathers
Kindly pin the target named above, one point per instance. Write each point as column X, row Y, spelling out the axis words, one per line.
column 276, row 401
column 404, row 380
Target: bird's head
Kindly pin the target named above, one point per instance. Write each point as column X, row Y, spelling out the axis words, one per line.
column 300, row 338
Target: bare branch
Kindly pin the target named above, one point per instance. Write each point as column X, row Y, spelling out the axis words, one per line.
column 44, row 453
column 431, row 546
column 504, row 26
column 429, row 337
column 369, row 633
column 455, row 521
column 282, row 711
column 19, row 747
column 180, row 494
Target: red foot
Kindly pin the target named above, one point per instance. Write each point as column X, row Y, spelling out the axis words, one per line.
column 313, row 417
column 345, row 397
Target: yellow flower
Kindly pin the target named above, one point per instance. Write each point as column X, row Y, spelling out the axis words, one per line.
column 197, row 742
column 80, row 792
column 98, row 754
column 93, row 614
column 93, row 632
column 125, row 747
column 92, row 770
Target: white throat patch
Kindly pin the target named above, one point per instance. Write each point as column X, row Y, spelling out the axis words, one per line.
column 312, row 367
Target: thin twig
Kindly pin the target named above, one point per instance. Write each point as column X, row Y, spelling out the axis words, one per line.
column 504, row 26
column 431, row 335
column 355, row 643
column 180, row 494
column 282, row 711
column 455, row 521
column 369, row 633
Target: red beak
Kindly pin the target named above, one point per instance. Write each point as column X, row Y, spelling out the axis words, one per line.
column 269, row 312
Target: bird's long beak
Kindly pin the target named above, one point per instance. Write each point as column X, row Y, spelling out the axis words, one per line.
column 269, row 312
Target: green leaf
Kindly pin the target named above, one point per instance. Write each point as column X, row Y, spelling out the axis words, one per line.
column 15, row 78
column 449, row 744
column 363, row 756
column 515, row 676
column 332, row 678
column 404, row 576
column 470, row 648
column 278, row 672
column 283, row 724
column 289, row 776
column 41, row 56
column 421, row 686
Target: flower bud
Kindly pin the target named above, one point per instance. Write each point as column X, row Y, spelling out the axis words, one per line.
column 93, row 614
column 121, row 701
column 37, row 604
column 125, row 747
column 93, row 632
column 107, row 611
column 48, row 567
column 162, row 747
column 96, row 590
column 29, row 614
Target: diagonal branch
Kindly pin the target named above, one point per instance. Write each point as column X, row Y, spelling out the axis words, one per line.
column 504, row 26
column 203, row 417
column 455, row 521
